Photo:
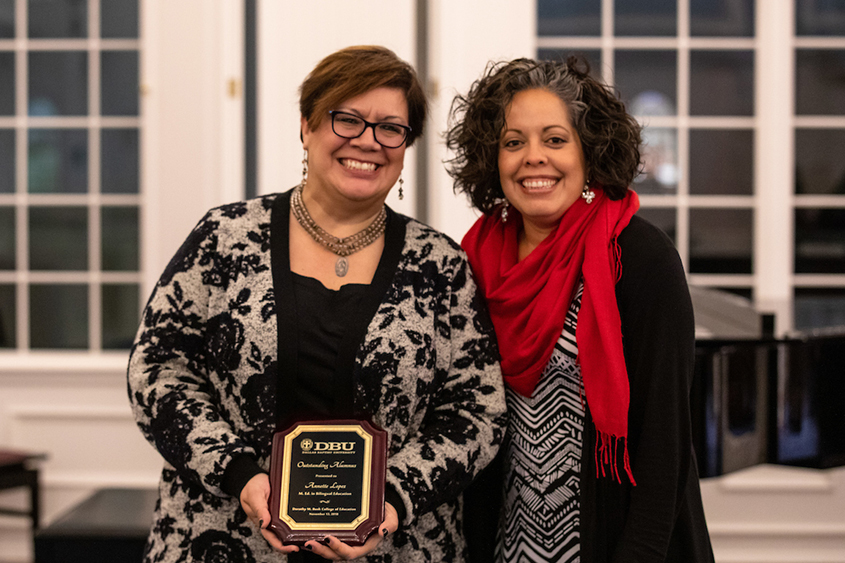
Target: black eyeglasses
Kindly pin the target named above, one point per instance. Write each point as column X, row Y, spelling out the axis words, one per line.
column 350, row 126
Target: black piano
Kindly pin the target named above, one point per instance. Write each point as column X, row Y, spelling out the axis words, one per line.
column 760, row 399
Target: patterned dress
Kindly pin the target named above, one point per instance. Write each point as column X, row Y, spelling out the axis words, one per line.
column 543, row 460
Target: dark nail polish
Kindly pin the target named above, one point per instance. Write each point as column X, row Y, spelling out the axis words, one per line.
column 384, row 532
column 308, row 547
column 327, row 541
column 261, row 523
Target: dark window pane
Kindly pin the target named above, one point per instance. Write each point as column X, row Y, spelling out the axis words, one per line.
column 120, row 238
column 7, row 161
column 58, row 83
column 819, row 166
column 722, row 18
column 7, row 238
column 119, row 19
column 119, row 173
column 573, row 17
column 120, row 315
column 819, row 82
column 58, row 161
column 646, row 18
column 819, row 17
column 120, row 82
column 58, row 18
column 819, row 308
column 58, row 316
column 7, row 83
column 647, row 81
column 721, row 241
column 8, row 317
column 665, row 218
column 7, row 19
column 819, row 241
column 660, row 162
column 593, row 57
column 58, row 238
column 721, row 162
column 722, row 83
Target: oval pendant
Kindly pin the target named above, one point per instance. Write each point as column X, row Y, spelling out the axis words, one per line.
column 341, row 267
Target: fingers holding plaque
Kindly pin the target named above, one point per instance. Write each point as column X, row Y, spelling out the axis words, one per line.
column 327, row 478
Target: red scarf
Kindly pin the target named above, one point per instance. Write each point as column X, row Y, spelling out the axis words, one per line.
column 528, row 301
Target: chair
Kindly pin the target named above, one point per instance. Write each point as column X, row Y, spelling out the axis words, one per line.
column 20, row 469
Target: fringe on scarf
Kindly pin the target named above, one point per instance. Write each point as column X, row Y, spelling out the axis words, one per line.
column 606, row 455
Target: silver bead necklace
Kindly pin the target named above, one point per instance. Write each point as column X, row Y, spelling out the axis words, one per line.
column 343, row 247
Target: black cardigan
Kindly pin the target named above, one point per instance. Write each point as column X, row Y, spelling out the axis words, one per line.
column 662, row 518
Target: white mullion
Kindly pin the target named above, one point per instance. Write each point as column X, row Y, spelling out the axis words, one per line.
column 21, row 175
column 69, row 122
column 95, row 262
column 826, row 201
column 61, row 277
column 819, row 122
column 607, row 42
column 774, row 169
column 721, row 201
column 720, row 122
column 819, row 280
column 819, row 42
column 569, row 42
column 57, row 44
column 721, row 280
column 682, row 54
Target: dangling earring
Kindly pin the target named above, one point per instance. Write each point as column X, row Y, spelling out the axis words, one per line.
column 588, row 194
column 505, row 211
column 401, row 183
column 304, row 166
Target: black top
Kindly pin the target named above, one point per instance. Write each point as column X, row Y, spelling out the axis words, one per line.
column 323, row 315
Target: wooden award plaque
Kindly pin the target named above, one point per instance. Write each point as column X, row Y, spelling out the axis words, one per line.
column 327, row 478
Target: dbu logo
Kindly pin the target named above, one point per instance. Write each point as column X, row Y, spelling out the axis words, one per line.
column 334, row 446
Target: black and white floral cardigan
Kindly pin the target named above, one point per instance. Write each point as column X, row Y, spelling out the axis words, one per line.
column 204, row 371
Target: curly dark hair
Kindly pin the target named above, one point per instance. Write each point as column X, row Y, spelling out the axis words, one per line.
column 610, row 136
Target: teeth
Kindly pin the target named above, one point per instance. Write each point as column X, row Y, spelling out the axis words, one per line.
column 534, row 184
column 358, row 165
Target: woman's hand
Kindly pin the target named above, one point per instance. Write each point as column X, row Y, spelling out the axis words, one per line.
column 255, row 500
column 335, row 550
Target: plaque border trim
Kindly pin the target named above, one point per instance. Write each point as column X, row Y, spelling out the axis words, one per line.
column 285, row 483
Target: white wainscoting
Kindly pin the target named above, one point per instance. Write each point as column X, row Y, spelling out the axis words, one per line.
column 79, row 416
column 774, row 514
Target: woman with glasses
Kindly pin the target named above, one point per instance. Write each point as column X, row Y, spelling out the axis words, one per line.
column 319, row 303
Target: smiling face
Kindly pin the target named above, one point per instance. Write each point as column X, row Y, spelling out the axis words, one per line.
column 541, row 164
column 360, row 169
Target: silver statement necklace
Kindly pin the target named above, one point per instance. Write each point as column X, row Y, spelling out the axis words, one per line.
column 343, row 247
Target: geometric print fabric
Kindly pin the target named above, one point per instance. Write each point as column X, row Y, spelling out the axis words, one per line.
column 543, row 461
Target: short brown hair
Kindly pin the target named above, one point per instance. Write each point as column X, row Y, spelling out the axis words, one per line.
column 354, row 71
column 610, row 136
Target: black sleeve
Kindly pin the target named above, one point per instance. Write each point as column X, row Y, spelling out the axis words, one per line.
column 658, row 334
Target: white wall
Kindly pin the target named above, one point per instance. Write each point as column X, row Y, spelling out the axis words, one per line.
column 292, row 38
column 463, row 37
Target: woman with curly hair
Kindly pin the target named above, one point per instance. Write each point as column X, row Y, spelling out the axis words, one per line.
column 593, row 319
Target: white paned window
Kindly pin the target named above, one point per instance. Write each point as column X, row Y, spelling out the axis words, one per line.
column 743, row 105
column 69, row 174
column 819, row 129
